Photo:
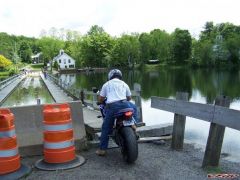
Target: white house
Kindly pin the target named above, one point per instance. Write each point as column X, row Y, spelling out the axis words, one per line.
column 37, row 58
column 69, row 79
column 64, row 61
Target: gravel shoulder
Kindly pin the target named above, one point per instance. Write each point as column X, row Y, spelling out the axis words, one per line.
column 154, row 162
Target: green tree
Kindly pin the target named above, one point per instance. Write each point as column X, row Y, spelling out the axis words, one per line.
column 72, row 47
column 160, row 45
column 6, row 45
column 96, row 46
column 145, row 47
column 126, row 51
column 25, row 52
column 233, row 46
column 181, row 46
column 208, row 32
column 50, row 47
column 203, row 53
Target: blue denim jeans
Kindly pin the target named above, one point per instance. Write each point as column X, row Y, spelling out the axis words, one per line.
column 135, row 112
column 109, row 120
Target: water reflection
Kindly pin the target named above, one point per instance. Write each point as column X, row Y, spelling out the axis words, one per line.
column 27, row 93
column 203, row 86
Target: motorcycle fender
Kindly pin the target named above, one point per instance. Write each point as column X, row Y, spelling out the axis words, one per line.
column 128, row 123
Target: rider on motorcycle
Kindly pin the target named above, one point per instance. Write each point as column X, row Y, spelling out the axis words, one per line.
column 118, row 96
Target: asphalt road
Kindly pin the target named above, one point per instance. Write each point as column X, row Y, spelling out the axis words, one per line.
column 154, row 162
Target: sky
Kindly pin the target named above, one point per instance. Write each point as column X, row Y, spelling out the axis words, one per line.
column 30, row 17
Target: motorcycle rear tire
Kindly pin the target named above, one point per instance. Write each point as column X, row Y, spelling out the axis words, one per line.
column 129, row 145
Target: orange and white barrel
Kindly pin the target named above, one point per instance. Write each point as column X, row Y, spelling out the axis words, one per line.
column 58, row 134
column 9, row 156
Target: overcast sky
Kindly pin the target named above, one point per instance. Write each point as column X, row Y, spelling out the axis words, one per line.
column 30, row 17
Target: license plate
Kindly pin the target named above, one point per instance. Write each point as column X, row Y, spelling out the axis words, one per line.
column 128, row 123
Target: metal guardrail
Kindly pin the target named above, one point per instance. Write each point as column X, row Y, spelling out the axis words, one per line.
column 9, row 80
column 75, row 93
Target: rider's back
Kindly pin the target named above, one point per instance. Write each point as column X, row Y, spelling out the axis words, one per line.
column 115, row 90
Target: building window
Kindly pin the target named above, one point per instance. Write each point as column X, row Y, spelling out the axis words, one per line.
column 69, row 61
column 59, row 60
column 64, row 61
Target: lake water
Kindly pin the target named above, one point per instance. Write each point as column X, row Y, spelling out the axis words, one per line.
column 27, row 93
column 203, row 86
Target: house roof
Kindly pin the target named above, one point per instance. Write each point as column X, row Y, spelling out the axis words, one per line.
column 36, row 55
column 59, row 55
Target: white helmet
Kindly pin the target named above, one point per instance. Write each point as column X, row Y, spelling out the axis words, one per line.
column 114, row 73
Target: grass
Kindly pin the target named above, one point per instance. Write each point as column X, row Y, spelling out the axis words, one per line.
column 154, row 67
column 4, row 73
column 36, row 66
column 213, row 170
column 150, row 67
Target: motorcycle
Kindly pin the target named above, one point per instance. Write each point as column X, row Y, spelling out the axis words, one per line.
column 124, row 133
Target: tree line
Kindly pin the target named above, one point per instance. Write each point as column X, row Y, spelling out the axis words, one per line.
column 217, row 45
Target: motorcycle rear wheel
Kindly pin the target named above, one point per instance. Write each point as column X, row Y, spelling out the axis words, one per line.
column 129, row 145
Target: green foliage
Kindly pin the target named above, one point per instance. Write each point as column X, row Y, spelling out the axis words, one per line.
column 4, row 73
column 209, row 31
column 213, row 170
column 145, row 47
column 37, row 66
column 203, row 54
column 233, row 46
column 126, row 51
column 25, row 52
column 181, row 46
column 12, row 71
column 55, row 65
column 95, row 47
column 155, row 45
column 6, row 45
column 50, row 47
column 4, row 62
column 218, row 45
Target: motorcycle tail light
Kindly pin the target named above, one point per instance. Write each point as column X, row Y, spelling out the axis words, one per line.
column 129, row 113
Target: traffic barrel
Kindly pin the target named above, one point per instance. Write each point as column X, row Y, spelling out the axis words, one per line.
column 10, row 165
column 59, row 149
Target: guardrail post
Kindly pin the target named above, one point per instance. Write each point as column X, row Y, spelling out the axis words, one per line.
column 60, row 82
column 38, row 101
column 179, row 125
column 95, row 99
column 82, row 96
column 138, row 101
column 215, row 137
